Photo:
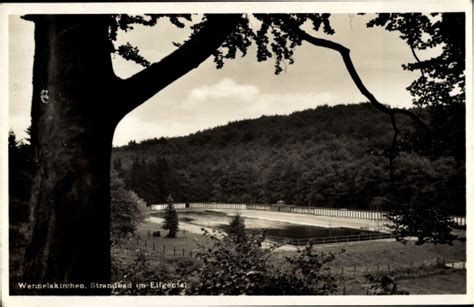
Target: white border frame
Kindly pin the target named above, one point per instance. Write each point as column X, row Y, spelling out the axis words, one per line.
column 220, row 7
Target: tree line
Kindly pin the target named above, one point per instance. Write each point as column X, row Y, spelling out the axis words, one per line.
column 326, row 157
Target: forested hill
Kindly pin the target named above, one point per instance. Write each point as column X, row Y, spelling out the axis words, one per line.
column 328, row 156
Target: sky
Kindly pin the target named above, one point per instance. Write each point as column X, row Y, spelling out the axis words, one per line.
column 207, row 97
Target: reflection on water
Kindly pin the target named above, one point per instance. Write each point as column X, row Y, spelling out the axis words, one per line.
column 305, row 231
column 292, row 231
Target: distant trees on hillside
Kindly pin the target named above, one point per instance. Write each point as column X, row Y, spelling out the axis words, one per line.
column 328, row 157
column 152, row 180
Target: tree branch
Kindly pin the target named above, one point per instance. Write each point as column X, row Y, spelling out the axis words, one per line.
column 142, row 86
column 417, row 59
column 393, row 148
column 345, row 53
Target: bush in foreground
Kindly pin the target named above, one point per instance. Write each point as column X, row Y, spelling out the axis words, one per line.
column 242, row 265
column 383, row 284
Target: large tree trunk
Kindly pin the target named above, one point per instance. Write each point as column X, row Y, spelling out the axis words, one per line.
column 72, row 131
column 77, row 103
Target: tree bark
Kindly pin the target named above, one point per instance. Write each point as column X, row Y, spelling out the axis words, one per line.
column 72, row 131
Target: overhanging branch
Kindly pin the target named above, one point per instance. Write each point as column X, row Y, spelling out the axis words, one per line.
column 413, row 52
column 140, row 87
column 393, row 149
column 345, row 53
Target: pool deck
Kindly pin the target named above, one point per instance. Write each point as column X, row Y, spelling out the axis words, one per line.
column 311, row 220
column 293, row 218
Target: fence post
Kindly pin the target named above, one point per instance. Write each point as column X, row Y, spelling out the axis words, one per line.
column 174, row 250
column 164, row 249
column 183, row 252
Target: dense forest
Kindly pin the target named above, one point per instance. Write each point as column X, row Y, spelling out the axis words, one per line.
column 326, row 157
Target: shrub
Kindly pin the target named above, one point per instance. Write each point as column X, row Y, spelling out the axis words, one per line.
column 127, row 210
column 134, row 267
column 241, row 265
column 383, row 284
column 237, row 228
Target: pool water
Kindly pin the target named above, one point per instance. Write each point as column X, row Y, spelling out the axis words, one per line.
column 276, row 230
column 306, row 231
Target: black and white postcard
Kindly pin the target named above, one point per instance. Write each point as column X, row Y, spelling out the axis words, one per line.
column 236, row 153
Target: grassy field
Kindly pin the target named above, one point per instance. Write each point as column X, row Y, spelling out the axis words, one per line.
column 441, row 282
column 420, row 281
column 382, row 252
column 414, row 267
column 170, row 247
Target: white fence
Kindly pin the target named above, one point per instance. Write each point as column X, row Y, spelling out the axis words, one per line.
column 334, row 212
column 203, row 206
column 358, row 214
column 218, row 206
column 460, row 220
column 163, row 206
